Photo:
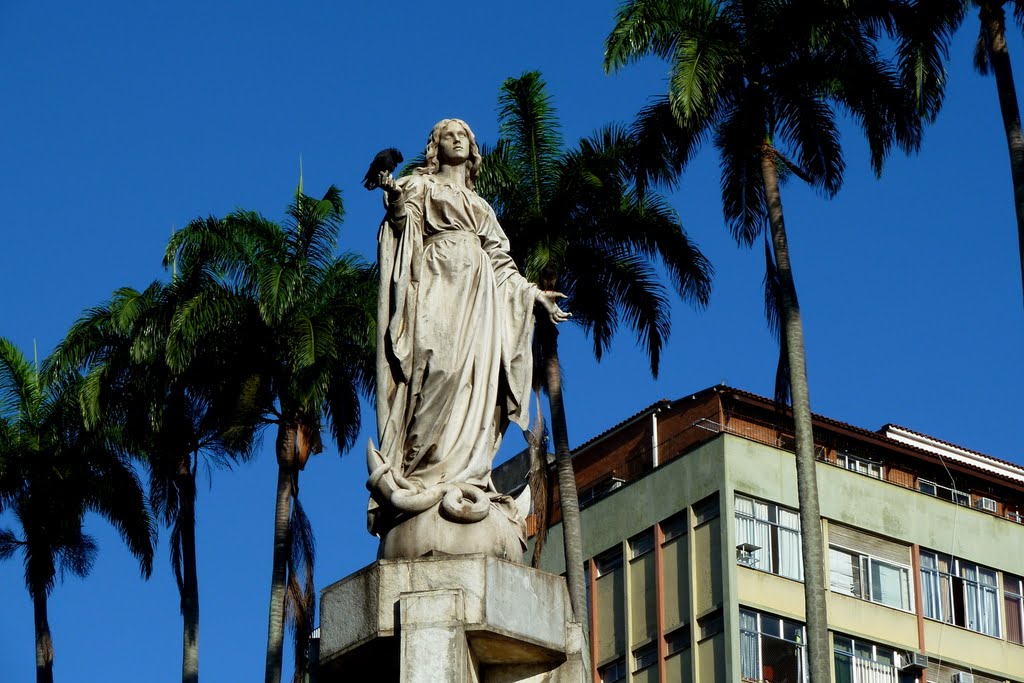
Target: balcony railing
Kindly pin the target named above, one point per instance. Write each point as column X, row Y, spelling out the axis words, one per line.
column 851, row 669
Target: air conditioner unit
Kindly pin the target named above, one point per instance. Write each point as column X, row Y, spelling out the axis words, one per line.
column 1015, row 516
column 986, row 504
column 914, row 661
column 961, row 677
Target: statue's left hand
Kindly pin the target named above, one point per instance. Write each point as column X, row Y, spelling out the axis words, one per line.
column 548, row 301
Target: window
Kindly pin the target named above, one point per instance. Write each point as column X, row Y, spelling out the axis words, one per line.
column 645, row 656
column 710, row 624
column 959, row 592
column 869, row 578
column 613, row 671
column 600, row 490
column 641, row 544
column 944, row 492
column 706, row 509
column 859, row 465
column 674, row 526
column 857, row 660
column 1013, row 596
column 677, row 640
column 775, row 533
column 608, row 561
column 771, row 649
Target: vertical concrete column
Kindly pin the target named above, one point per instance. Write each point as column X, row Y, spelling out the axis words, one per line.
column 433, row 637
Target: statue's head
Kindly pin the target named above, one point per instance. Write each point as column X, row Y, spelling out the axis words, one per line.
column 433, row 163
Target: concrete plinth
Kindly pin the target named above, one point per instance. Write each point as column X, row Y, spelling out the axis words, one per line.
column 468, row 618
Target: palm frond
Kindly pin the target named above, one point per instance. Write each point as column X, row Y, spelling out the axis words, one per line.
column 9, row 544
column 701, row 68
column 924, row 32
column 116, row 494
column 300, row 596
column 19, row 382
column 773, row 316
column 805, row 123
column 527, row 120
column 739, row 139
column 77, row 555
column 662, row 147
column 982, row 63
column 614, row 282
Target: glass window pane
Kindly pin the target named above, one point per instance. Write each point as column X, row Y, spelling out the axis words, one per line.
column 608, row 561
column 641, row 544
column 674, row 526
column 749, row 668
column 928, row 561
column 890, row 584
column 706, row 509
column 844, row 668
column 771, row 626
column 843, row 644
column 744, row 506
column 841, row 568
column 792, row 632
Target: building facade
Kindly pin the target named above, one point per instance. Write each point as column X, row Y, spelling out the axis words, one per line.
column 694, row 569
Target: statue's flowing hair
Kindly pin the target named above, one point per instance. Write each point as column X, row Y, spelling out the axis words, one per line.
column 430, row 154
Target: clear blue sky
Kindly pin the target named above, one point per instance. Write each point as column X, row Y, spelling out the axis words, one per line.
column 119, row 120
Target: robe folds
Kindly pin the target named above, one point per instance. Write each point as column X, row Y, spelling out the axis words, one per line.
column 455, row 321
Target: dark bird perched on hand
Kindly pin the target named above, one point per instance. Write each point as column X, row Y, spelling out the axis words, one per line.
column 387, row 160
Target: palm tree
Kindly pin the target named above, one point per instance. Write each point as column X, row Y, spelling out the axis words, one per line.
column 175, row 420
column 578, row 221
column 54, row 471
column 307, row 318
column 763, row 80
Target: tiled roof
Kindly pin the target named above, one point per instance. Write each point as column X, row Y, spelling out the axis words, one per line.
column 984, row 463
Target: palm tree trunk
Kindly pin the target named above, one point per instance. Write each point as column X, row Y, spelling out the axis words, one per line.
column 818, row 653
column 993, row 21
column 286, row 474
column 572, row 535
column 190, row 579
column 44, row 643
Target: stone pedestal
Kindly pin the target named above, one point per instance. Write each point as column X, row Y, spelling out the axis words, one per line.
column 455, row 619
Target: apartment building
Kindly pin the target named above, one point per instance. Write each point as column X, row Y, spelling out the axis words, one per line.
column 694, row 569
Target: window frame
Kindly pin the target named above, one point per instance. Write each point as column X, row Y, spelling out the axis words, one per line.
column 760, row 635
column 677, row 640
column 957, row 576
column 608, row 561
column 645, row 656
column 673, row 527
column 845, row 460
column 864, row 563
column 775, row 530
column 1016, row 597
column 616, row 667
column 640, row 544
column 956, row 496
column 856, row 651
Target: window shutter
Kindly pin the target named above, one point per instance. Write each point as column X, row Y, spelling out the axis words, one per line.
column 882, row 548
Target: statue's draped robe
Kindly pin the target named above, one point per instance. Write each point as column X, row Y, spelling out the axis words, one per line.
column 455, row 319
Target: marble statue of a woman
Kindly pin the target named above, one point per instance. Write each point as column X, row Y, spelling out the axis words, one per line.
column 454, row 364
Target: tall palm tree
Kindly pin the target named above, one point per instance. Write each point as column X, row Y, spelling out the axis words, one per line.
column 762, row 80
column 307, row 318
column 578, row 222
column 175, row 420
column 54, row 471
